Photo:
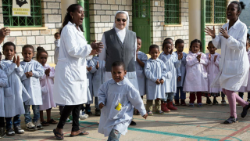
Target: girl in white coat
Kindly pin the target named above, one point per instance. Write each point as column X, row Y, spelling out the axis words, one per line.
column 70, row 88
column 47, row 85
column 212, row 70
column 156, row 73
column 234, row 64
column 33, row 71
column 14, row 102
column 172, row 63
column 196, row 81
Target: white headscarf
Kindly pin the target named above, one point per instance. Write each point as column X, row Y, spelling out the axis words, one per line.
column 125, row 12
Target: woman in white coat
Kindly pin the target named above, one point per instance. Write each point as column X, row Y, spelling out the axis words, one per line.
column 70, row 88
column 233, row 65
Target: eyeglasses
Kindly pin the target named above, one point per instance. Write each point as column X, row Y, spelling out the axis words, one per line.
column 118, row 20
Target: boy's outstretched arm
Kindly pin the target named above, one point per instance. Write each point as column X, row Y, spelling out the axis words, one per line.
column 135, row 99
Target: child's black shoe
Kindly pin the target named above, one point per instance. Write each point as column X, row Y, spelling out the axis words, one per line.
column 10, row 132
column 209, row 102
column 133, row 123
column 2, row 132
column 18, row 130
column 215, row 102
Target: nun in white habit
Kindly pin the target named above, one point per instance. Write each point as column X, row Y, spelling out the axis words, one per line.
column 120, row 44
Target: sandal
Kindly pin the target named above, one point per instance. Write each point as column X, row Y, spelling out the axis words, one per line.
column 82, row 133
column 230, row 120
column 44, row 123
column 58, row 135
column 52, row 121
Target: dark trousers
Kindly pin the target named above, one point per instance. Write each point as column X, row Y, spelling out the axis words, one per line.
column 16, row 121
column 192, row 97
column 241, row 95
column 1, row 121
column 75, row 109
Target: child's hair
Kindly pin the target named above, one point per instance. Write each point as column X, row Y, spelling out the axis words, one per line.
column 241, row 5
column 165, row 43
column 28, row 46
column 210, row 42
column 153, row 46
column 56, row 33
column 118, row 64
column 0, row 53
column 179, row 41
column 138, row 37
column 167, row 39
column 248, row 38
column 40, row 50
column 195, row 41
column 9, row 44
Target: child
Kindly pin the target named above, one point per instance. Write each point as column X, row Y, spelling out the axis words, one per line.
column 90, row 70
column 57, row 45
column 181, row 72
column 156, row 73
column 196, row 81
column 212, row 70
column 117, row 98
column 33, row 72
column 14, row 102
column 3, row 83
column 0, row 56
column 47, row 85
column 141, row 59
column 98, row 80
column 246, row 89
column 172, row 62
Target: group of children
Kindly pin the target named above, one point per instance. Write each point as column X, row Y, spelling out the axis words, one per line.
column 164, row 77
column 26, row 83
column 169, row 75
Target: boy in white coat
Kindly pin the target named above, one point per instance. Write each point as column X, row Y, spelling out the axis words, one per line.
column 117, row 98
column 33, row 71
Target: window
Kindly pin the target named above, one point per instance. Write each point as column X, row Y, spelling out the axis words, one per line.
column 216, row 11
column 16, row 21
column 172, row 12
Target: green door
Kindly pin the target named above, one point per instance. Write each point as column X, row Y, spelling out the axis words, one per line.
column 86, row 27
column 141, row 22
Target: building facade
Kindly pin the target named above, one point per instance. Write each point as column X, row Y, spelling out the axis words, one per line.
column 152, row 20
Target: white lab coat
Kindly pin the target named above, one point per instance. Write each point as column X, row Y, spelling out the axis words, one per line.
column 110, row 94
column 234, row 64
column 14, row 100
column 70, row 86
column 3, row 83
column 98, row 79
column 32, row 84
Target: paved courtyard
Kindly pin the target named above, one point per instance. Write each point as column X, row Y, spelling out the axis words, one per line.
column 185, row 124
